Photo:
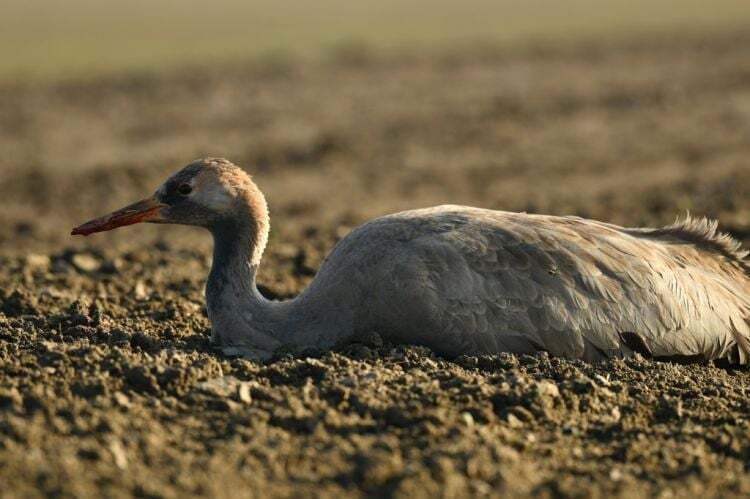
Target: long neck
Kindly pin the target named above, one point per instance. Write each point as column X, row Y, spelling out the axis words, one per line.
column 242, row 319
column 235, row 262
column 237, row 310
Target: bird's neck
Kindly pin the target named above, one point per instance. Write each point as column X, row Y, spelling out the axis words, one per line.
column 239, row 242
column 243, row 321
column 232, row 297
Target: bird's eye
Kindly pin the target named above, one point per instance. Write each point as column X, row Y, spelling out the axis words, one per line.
column 185, row 189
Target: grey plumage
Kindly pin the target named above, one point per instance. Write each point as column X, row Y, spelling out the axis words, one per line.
column 464, row 280
column 495, row 281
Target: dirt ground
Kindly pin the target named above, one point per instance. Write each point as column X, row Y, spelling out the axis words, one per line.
column 108, row 384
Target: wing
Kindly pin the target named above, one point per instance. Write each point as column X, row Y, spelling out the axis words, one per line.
column 579, row 289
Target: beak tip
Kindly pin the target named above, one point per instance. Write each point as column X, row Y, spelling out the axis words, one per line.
column 82, row 230
column 142, row 211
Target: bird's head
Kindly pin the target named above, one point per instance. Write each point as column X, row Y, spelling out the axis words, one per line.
column 206, row 193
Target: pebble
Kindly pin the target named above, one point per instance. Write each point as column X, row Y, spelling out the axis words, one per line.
column 85, row 263
column 140, row 291
column 244, row 394
column 615, row 413
column 37, row 261
column 122, row 399
column 513, row 421
column 118, row 454
column 521, row 413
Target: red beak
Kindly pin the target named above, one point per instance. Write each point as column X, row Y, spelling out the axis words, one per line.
column 146, row 210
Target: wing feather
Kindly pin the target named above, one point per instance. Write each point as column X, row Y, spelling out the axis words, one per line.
column 521, row 283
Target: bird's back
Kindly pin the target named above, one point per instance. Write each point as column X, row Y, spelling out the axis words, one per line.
column 467, row 280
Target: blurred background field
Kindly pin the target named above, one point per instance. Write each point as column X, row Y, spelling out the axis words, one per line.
column 633, row 112
column 629, row 111
column 51, row 38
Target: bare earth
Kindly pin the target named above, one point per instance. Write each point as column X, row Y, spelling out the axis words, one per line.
column 108, row 384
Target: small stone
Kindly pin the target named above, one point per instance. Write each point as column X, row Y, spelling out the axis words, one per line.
column 37, row 261
column 467, row 418
column 140, row 291
column 430, row 363
column 513, row 421
column 122, row 399
column 244, row 394
column 118, row 454
column 85, row 263
column 521, row 413
column 615, row 413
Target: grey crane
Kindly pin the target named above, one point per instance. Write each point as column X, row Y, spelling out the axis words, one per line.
column 464, row 280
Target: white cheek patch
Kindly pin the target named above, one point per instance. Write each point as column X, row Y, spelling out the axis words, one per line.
column 213, row 197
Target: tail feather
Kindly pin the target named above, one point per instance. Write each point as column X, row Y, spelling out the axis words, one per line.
column 704, row 233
